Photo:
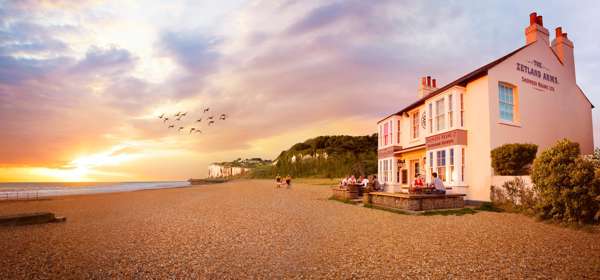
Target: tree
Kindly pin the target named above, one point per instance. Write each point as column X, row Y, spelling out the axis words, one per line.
column 567, row 184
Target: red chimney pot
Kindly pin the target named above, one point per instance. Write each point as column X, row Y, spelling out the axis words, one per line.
column 532, row 18
column 433, row 83
column 558, row 32
column 540, row 21
column 423, row 81
column 428, row 81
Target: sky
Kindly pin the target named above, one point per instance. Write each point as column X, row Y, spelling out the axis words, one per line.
column 82, row 83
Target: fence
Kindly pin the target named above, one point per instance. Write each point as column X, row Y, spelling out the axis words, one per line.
column 20, row 195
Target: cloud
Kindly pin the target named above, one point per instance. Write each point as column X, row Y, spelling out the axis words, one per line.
column 111, row 61
column 191, row 50
column 282, row 71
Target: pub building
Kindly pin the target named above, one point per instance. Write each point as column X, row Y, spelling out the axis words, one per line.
column 527, row 96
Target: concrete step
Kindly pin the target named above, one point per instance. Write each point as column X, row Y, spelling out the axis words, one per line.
column 30, row 218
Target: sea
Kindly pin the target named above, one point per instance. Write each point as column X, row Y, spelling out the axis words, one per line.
column 26, row 191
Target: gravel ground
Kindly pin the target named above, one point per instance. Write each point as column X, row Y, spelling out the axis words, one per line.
column 248, row 229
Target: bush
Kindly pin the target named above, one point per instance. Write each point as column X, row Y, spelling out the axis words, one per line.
column 513, row 159
column 568, row 185
column 514, row 196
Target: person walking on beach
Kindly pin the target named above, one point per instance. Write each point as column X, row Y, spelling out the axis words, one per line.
column 288, row 181
column 278, row 180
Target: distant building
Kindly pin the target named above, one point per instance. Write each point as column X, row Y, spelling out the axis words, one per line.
column 221, row 171
column 527, row 96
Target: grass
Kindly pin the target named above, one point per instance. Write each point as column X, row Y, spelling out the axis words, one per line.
column 488, row 206
column 317, row 181
column 347, row 201
column 452, row 212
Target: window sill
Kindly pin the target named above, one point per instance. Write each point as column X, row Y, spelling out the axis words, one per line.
column 513, row 124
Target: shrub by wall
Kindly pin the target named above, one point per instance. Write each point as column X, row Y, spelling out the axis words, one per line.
column 567, row 184
column 514, row 196
column 513, row 159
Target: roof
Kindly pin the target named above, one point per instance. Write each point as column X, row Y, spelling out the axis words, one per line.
column 584, row 95
column 462, row 81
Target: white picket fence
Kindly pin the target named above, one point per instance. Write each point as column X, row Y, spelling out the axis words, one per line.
column 20, row 195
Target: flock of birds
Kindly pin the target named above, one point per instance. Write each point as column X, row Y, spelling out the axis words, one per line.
column 175, row 120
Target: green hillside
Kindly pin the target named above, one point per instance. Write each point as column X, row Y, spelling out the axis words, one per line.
column 326, row 157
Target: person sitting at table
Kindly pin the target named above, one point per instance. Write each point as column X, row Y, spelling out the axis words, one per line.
column 364, row 182
column 438, row 185
column 344, row 182
column 376, row 186
column 418, row 184
column 352, row 180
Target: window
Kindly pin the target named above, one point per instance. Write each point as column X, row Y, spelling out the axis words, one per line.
column 430, row 163
column 430, row 118
column 398, row 133
column 404, row 176
column 415, row 125
column 462, row 110
column 417, row 168
column 441, row 165
column 450, row 109
column 462, row 165
column 380, row 135
column 390, row 170
column 386, row 131
column 385, row 170
column 440, row 115
column 507, row 105
column 451, row 165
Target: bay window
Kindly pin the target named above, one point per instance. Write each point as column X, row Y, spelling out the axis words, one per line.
column 415, row 125
column 462, row 110
column 385, row 133
column 440, row 116
column 450, row 109
column 441, row 164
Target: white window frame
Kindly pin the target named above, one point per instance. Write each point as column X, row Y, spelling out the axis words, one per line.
column 440, row 114
column 507, row 102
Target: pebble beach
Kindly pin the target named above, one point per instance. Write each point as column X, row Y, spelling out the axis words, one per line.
column 249, row 229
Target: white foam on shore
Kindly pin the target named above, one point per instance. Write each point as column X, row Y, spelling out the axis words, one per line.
column 11, row 191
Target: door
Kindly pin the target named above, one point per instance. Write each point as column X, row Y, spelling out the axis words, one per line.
column 415, row 170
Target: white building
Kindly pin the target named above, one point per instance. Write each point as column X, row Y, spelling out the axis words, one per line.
column 527, row 96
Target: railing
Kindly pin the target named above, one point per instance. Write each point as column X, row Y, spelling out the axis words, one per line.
column 20, row 195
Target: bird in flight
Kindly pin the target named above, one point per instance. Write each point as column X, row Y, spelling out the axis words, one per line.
column 192, row 130
column 178, row 114
column 161, row 116
column 198, row 131
column 165, row 120
column 199, row 120
column 206, row 110
column 223, row 117
column 184, row 114
column 172, row 126
column 211, row 117
column 178, row 119
column 211, row 122
column 180, row 128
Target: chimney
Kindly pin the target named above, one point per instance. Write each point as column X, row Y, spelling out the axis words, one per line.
column 536, row 30
column 427, row 85
column 563, row 47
